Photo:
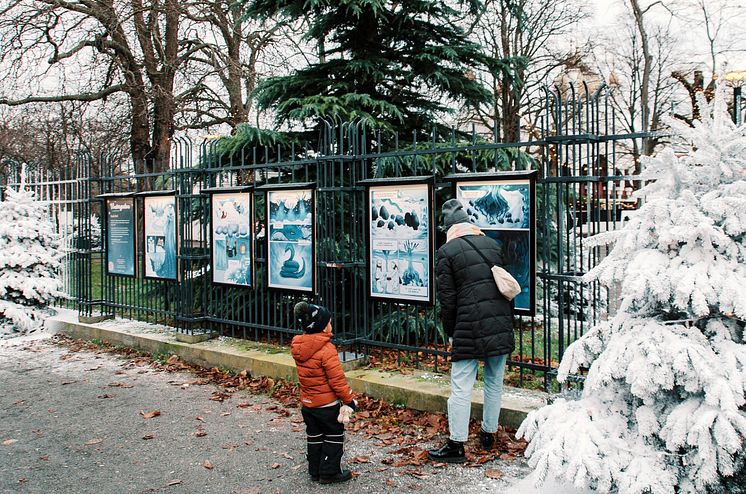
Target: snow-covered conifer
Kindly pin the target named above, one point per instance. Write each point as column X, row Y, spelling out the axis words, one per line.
column 29, row 261
column 663, row 409
column 96, row 232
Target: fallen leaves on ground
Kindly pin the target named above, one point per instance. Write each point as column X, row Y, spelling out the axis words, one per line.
column 8, row 442
column 207, row 464
column 417, row 473
column 117, row 384
column 175, row 361
column 389, row 425
column 150, row 415
column 93, row 441
column 493, row 473
column 148, row 436
column 174, row 482
column 219, row 396
column 360, row 459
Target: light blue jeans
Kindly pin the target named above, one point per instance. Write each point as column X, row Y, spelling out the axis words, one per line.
column 463, row 375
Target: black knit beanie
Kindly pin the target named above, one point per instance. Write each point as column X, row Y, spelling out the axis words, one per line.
column 453, row 212
column 312, row 318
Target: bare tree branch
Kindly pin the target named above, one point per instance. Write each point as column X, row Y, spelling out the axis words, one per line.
column 68, row 97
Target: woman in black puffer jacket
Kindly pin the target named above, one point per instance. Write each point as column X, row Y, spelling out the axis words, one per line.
column 479, row 320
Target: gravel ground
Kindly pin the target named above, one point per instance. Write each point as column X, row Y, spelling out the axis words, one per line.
column 76, row 422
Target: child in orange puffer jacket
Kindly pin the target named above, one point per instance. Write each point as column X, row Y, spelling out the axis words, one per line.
column 324, row 393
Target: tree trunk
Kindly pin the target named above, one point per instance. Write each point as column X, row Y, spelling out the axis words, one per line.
column 510, row 95
column 239, row 111
column 140, row 130
column 645, row 83
column 161, row 63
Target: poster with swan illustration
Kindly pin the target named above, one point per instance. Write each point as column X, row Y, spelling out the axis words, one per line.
column 504, row 208
column 400, row 242
column 160, row 236
column 232, row 245
column 290, row 253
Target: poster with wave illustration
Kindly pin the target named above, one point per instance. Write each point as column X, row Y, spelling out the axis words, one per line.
column 232, row 246
column 504, row 209
column 501, row 205
column 160, row 237
column 290, row 253
column 400, row 243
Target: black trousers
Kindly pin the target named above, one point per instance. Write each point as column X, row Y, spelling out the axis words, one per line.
column 325, row 439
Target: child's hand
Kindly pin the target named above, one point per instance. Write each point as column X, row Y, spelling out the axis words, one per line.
column 344, row 414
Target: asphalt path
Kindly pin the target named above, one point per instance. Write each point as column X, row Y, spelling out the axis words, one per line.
column 85, row 422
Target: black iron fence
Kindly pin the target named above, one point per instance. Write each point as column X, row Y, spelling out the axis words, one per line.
column 582, row 189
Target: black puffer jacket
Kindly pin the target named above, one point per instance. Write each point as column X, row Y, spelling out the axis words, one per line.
column 472, row 309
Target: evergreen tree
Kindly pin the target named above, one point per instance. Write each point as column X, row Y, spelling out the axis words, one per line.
column 29, row 262
column 663, row 406
column 396, row 65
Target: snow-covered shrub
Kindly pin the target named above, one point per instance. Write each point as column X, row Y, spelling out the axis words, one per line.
column 29, row 262
column 96, row 240
column 663, row 409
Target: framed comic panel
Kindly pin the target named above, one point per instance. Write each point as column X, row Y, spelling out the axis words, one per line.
column 160, row 236
column 121, row 237
column 232, row 236
column 503, row 205
column 400, row 239
column 291, row 237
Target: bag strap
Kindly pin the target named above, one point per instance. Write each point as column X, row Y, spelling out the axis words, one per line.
column 478, row 252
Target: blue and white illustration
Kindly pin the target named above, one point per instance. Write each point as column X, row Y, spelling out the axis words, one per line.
column 291, row 254
column 504, row 205
column 231, row 238
column 516, row 251
column 502, row 209
column 120, row 236
column 400, row 242
column 160, row 237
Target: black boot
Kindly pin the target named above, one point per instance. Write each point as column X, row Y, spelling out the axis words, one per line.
column 486, row 440
column 342, row 476
column 450, row 452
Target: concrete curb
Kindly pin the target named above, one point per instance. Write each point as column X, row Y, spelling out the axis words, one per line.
column 419, row 390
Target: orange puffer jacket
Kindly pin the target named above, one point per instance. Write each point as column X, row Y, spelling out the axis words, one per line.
column 321, row 377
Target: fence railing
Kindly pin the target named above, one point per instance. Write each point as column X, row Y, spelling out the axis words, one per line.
column 581, row 190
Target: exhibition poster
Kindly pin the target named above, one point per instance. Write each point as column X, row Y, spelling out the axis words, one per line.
column 232, row 238
column 503, row 209
column 290, row 250
column 400, row 245
column 160, row 236
column 120, row 236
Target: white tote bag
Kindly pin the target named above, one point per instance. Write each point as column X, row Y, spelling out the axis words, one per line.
column 505, row 282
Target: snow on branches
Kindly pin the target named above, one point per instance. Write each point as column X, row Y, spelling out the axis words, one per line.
column 29, row 261
column 663, row 408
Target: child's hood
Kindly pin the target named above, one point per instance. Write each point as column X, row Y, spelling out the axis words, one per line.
column 305, row 346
